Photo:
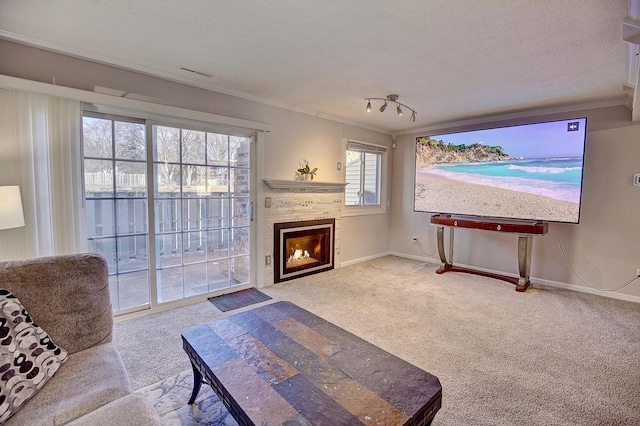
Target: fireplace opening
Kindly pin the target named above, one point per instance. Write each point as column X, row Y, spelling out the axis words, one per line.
column 303, row 248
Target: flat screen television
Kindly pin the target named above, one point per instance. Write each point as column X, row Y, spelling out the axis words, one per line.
column 530, row 172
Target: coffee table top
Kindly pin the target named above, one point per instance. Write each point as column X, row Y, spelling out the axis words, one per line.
column 279, row 363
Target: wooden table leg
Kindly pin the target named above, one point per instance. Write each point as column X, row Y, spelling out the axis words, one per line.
column 197, row 383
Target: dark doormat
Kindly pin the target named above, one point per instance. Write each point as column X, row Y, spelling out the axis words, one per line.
column 238, row 299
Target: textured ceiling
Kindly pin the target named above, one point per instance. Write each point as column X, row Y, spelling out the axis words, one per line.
column 448, row 60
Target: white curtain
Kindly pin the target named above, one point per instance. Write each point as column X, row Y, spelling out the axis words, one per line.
column 40, row 151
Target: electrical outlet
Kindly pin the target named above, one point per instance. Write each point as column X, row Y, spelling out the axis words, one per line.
column 638, row 272
column 414, row 239
column 267, row 260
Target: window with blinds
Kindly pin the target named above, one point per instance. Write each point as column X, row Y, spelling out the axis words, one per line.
column 364, row 175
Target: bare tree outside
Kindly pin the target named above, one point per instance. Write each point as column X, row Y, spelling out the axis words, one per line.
column 167, row 157
column 97, row 138
column 217, row 149
column 193, row 155
column 130, row 142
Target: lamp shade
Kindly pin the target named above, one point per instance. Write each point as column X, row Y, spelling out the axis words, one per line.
column 11, row 215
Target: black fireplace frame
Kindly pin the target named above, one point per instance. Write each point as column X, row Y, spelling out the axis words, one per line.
column 279, row 248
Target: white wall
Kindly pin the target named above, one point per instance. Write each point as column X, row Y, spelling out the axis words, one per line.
column 604, row 248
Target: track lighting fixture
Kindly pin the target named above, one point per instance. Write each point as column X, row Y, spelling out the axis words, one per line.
column 392, row 98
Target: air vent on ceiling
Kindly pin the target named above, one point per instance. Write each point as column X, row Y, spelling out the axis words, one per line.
column 191, row 70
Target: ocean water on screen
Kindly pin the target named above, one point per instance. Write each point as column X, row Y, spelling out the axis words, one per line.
column 558, row 178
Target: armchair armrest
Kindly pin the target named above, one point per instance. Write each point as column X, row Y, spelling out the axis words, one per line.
column 68, row 296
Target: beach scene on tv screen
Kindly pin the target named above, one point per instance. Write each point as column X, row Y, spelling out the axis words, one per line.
column 529, row 172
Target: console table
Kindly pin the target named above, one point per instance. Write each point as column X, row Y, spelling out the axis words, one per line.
column 525, row 243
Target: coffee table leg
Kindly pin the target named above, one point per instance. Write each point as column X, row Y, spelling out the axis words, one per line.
column 197, row 382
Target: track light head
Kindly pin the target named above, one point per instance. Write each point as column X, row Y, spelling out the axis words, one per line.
column 398, row 110
column 369, row 106
column 413, row 117
column 383, row 107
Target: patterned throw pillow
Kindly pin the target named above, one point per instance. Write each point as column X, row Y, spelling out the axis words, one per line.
column 28, row 357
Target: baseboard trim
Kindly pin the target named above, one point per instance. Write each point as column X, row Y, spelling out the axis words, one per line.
column 433, row 260
column 534, row 280
column 364, row 259
column 584, row 289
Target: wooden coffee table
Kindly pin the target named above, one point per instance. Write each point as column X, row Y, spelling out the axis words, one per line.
column 279, row 364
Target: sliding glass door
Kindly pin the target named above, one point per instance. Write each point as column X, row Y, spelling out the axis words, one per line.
column 202, row 211
column 168, row 206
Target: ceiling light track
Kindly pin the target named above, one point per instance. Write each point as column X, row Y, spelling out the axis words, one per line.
column 394, row 99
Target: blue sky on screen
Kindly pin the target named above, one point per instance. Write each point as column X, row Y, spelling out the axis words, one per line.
column 540, row 140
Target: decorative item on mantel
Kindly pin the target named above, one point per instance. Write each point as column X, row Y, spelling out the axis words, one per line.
column 305, row 172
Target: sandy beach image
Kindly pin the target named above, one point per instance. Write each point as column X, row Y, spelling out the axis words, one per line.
column 441, row 195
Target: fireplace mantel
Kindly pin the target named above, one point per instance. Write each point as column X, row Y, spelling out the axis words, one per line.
column 304, row 185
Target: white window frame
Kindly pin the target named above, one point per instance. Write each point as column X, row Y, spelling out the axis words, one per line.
column 351, row 210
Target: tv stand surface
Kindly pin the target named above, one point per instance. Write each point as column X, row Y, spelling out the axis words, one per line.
column 525, row 243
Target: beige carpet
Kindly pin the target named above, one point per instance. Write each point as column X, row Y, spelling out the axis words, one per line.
column 543, row 357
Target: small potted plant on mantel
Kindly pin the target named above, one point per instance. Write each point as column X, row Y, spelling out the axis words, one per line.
column 305, row 172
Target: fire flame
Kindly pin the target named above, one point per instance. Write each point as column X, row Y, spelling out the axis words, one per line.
column 299, row 254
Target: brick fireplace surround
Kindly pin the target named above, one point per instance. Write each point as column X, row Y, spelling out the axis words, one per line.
column 297, row 201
